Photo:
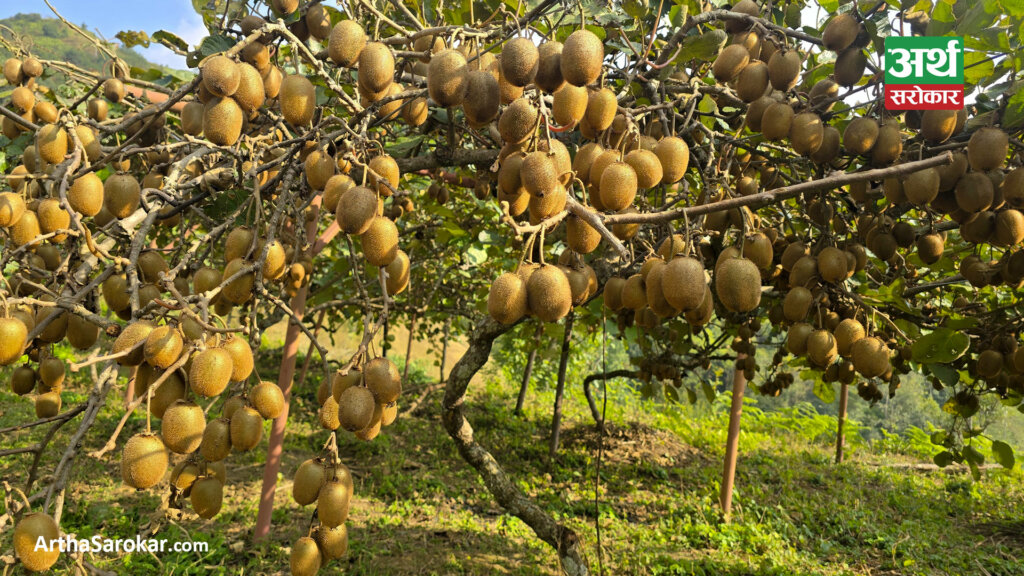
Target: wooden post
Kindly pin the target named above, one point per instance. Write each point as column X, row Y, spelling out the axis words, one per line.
column 844, row 393
column 563, row 363
column 521, row 400
column 285, row 377
column 739, row 384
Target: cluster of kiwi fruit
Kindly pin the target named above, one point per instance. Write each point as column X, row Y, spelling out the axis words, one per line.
column 172, row 366
column 999, row 362
column 361, row 399
column 328, row 483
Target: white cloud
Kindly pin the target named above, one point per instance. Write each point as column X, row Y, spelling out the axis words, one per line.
column 189, row 28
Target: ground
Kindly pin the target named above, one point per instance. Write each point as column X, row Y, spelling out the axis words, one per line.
column 419, row 509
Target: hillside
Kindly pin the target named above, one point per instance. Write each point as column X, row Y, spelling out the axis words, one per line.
column 50, row 39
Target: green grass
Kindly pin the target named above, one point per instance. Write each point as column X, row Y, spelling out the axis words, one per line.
column 420, row 510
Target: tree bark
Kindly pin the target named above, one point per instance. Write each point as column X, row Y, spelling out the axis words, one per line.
column 739, row 384
column 444, row 349
column 565, row 541
column 563, row 364
column 844, row 394
column 528, row 371
column 589, row 392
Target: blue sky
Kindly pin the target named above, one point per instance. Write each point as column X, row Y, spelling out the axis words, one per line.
column 109, row 17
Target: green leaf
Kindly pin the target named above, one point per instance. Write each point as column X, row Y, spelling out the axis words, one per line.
column 972, row 455
column 215, row 44
column 709, row 392
column 691, row 396
column 824, row 391
column 703, row 47
column 1014, row 116
column 945, row 374
column 1003, row 454
column 942, row 346
column 943, row 459
column 133, row 38
column 170, row 40
column 476, row 255
column 981, row 68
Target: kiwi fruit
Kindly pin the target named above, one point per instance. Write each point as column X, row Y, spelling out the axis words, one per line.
column 601, row 108
column 548, row 293
column 284, row 7
column 192, row 118
column 797, row 303
column 342, row 382
column 163, row 346
column 674, row 154
column 241, row 357
column 582, row 58
column 506, row 300
column 273, row 79
column 974, row 192
column 569, row 104
column 448, row 79
column 518, row 121
column 318, row 167
column 309, row 478
column 12, row 207
column 482, row 97
column 380, row 242
column 210, row 372
column 143, row 461
column 298, row 99
column 305, row 558
column 1009, row 228
column 53, row 218
column 738, row 284
column 384, row 175
column 32, row 67
column 251, row 93
column 47, row 404
column 618, row 186
column 346, row 42
column 870, row 357
column 121, row 195
column 183, row 426
column 398, row 274
column 113, row 90
column 986, row 150
column 131, row 338
column 1013, row 188
column 239, row 290
column 356, row 210
column 237, row 245
column 729, row 62
column 332, row 503
column 647, row 166
column 938, row 125
column 806, row 133
column 207, row 496
column 23, row 380
column 860, row 135
column 930, row 248
column 52, row 143
column 268, row 399
column 51, row 374
column 683, row 283
column 23, row 99
column 221, row 75
column 634, row 293
column 777, row 122
column 216, row 442
column 382, row 380
column 355, row 408
column 821, row 348
column 376, row 67
column 783, row 69
column 519, row 61
column 246, row 429
column 847, row 332
column 888, row 146
column 30, row 529
column 752, row 81
column 97, row 109
column 333, row 189
column 13, row 71
column 840, row 32
column 549, row 67
column 538, row 174
column 849, row 66
column 581, row 237
column 922, row 187
column 332, row 542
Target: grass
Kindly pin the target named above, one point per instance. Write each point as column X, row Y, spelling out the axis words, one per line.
column 420, row 510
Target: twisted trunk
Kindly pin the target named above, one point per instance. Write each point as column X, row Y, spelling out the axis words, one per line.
column 563, row 539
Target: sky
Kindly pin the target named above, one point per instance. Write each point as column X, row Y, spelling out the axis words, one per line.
column 109, row 17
